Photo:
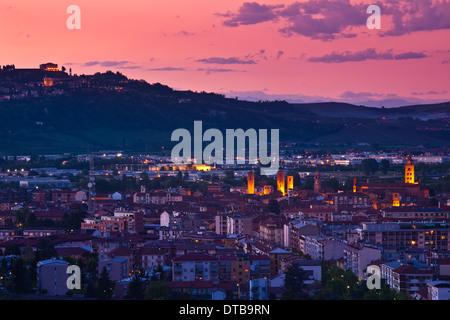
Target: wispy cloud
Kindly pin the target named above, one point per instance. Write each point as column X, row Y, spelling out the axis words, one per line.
column 279, row 54
column 166, row 69
column 185, row 33
column 218, row 70
column 231, row 60
column 105, row 63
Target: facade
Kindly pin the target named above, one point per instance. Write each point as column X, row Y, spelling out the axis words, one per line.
column 152, row 257
column 272, row 230
column 421, row 235
column 134, row 220
column 117, row 268
column 326, row 248
column 221, row 224
column 52, row 277
column 293, row 233
column 438, row 290
column 119, row 222
column 258, row 289
column 358, row 256
column 405, row 213
column 239, row 224
column 409, row 279
column 195, row 267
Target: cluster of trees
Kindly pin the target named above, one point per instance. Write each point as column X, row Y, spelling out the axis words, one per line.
column 18, row 268
column 441, row 186
column 27, row 219
column 142, row 287
column 337, row 284
column 371, row 166
column 130, row 184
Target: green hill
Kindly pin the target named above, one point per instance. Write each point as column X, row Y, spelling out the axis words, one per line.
column 113, row 112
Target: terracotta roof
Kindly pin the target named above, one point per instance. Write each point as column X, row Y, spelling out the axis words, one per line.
column 70, row 251
column 407, row 269
column 121, row 251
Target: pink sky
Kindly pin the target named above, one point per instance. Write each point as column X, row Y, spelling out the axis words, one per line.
column 300, row 50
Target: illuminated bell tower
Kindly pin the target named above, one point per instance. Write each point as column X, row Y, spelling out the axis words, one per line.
column 409, row 170
column 251, row 182
column 280, row 182
column 355, row 181
column 396, row 199
column 317, row 186
column 290, row 182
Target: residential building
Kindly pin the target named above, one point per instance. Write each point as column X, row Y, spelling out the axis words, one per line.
column 358, row 256
column 52, row 277
column 326, row 248
column 195, row 267
column 423, row 235
column 116, row 267
column 410, row 279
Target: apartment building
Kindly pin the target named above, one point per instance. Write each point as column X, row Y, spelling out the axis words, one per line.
column 358, row 256
column 326, row 248
column 52, row 277
column 195, row 267
column 422, row 235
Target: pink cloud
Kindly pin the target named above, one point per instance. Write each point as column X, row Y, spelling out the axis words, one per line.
column 418, row 15
column 251, row 13
column 219, row 60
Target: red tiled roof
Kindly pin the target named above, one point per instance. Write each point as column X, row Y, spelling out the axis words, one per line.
column 70, row 251
column 121, row 251
column 407, row 269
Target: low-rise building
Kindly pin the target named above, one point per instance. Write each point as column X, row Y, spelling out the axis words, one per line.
column 195, row 267
column 52, row 277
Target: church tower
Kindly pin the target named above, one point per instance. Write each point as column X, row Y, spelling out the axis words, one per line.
column 251, row 182
column 290, row 182
column 280, row 182
column 317, row 186
column 409, row 170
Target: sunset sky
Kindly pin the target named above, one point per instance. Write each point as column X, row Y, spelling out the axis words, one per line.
column 312, row 50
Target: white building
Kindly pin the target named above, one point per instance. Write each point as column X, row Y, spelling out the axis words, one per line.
column 326, row 248
column 357, row 257
column 438, row 290
column 258, row 289
column 52, row 277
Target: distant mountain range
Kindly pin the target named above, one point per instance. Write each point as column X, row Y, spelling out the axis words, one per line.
column 108, row 111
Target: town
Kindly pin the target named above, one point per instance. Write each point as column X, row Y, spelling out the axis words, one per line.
column 142, row 227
